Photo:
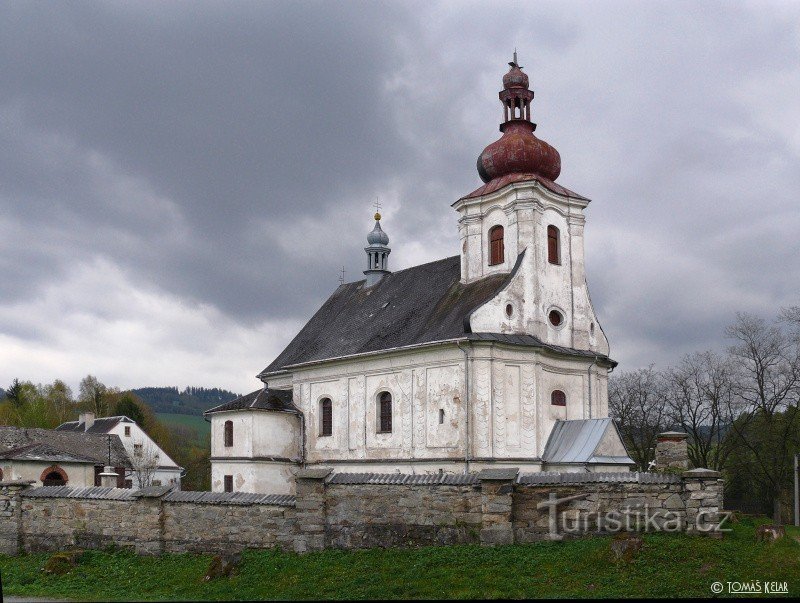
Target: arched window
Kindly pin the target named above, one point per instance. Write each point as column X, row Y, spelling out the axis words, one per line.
column 496, row 246
column 553, row 245
column 558, row 398
column 228, row 434
column 54, row 476
column 385, row 412
column 325, row 417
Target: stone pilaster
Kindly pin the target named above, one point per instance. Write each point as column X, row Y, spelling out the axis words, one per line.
column 703, row 496
column 497, row 490
column 10, row 515
column 310, row 511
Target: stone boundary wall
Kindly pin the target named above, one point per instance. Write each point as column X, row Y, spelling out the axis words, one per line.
column 495, row 506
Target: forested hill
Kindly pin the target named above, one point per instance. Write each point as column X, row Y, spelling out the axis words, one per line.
column 190, row 401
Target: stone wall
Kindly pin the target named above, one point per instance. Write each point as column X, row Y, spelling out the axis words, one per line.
column 495, row 506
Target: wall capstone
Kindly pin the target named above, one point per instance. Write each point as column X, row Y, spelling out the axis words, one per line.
column 497, row 489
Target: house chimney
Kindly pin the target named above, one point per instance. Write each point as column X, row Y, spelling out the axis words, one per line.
column 87, row 418
column 672, row 451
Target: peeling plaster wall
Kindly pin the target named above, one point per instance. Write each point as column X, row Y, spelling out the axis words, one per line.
column 525, row 211
column 256, row 476
column 78, row 474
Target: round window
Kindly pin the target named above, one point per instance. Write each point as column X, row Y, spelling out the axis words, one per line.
column 555, row 318
column 509, row 310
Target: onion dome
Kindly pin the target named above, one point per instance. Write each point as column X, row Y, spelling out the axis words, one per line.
column 377, row 236
column 518, row 151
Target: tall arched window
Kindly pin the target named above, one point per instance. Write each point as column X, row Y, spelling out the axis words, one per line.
column 228, row 434
column 325, row 417
column 385, row 412
column 558, row 398
column 496, row 246
column 553, row 245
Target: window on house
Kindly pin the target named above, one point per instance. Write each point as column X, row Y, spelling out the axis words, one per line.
column 128, row 431
column 156, row 482
column 325, row 417
column 228, row 483
column 228, row 434
column 553, row 246
column 558, row 398
column 137, row 450
column 129, row 483
column 496, row 246
column 385, row 412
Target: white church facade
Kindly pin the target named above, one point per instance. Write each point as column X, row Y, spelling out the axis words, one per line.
column 491, row 358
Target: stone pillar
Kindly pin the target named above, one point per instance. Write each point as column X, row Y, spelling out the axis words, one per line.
column 310, row 509
column 672, row 451
column 150, row 519
column 703, row 497
column 497, row 489
column 108, row 478
column 10, row 543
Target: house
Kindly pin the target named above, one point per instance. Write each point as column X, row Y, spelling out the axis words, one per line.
column 150, row 465
column 494, row 357
column 55, row 458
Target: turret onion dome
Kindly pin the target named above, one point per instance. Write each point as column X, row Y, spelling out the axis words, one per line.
column 518, row 151
column 377, row 236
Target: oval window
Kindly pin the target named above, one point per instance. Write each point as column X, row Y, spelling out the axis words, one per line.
column 556, row 318
column 509, row 310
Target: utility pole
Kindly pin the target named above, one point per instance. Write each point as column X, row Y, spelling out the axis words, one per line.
column 796, row 492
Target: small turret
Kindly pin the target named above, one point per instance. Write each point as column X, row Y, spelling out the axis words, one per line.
column 377, row 254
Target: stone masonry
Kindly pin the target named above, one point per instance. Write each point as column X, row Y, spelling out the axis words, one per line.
column 672, row 451
column 493, row 507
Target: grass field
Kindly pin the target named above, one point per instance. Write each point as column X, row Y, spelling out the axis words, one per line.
column 668, row 566
column 199, row 424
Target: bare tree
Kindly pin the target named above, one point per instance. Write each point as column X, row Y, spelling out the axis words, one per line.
column 765, row 401
column 699, row 393
column 145, row 462
column 637, row 400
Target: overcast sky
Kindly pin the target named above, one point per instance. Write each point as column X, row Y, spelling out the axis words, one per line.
column 180, row 183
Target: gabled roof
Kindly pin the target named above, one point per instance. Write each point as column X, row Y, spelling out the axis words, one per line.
column 88, row 446
column 417, row 305
column 43, row 452
column 101, row 425
column 586, row 441
column 262, row 399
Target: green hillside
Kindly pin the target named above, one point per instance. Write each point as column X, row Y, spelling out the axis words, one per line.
column 190, row 401
column 195, row 422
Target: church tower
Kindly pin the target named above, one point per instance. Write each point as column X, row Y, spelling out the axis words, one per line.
column 377, row 254
column 522, row 221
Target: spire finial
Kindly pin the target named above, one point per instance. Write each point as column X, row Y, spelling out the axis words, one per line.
column 341, row 276
column 377, row 209
column 515, row 55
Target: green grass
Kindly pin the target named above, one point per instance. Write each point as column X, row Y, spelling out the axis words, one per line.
column 199, row 424
column 668, row 566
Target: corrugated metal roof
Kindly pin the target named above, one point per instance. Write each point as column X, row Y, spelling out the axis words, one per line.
column 577, row 441
column 92, row 492
column 622, row 477
column 231, row 498
column 404, row 479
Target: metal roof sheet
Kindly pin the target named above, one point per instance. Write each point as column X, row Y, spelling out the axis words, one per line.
column 623, row 477
column 231, row 498
column 576, row 441
column 91, row 492
column 404, row 479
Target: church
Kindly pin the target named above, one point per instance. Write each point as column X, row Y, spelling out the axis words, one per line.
column 490, row 358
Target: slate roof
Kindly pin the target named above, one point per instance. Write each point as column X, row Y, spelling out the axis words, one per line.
column 43, row 452
column 577, row 441
column 261, row 399
column 423, row 304
column 90, row 446
column 101, row 425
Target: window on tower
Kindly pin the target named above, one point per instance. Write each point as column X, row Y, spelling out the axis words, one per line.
column 553, row 245
column 558, row 398
column 496, row 246
column 228, row 435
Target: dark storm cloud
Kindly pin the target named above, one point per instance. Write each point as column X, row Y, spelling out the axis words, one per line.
column 226, row 155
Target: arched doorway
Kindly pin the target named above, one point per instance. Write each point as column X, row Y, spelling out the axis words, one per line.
column 54, row 476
